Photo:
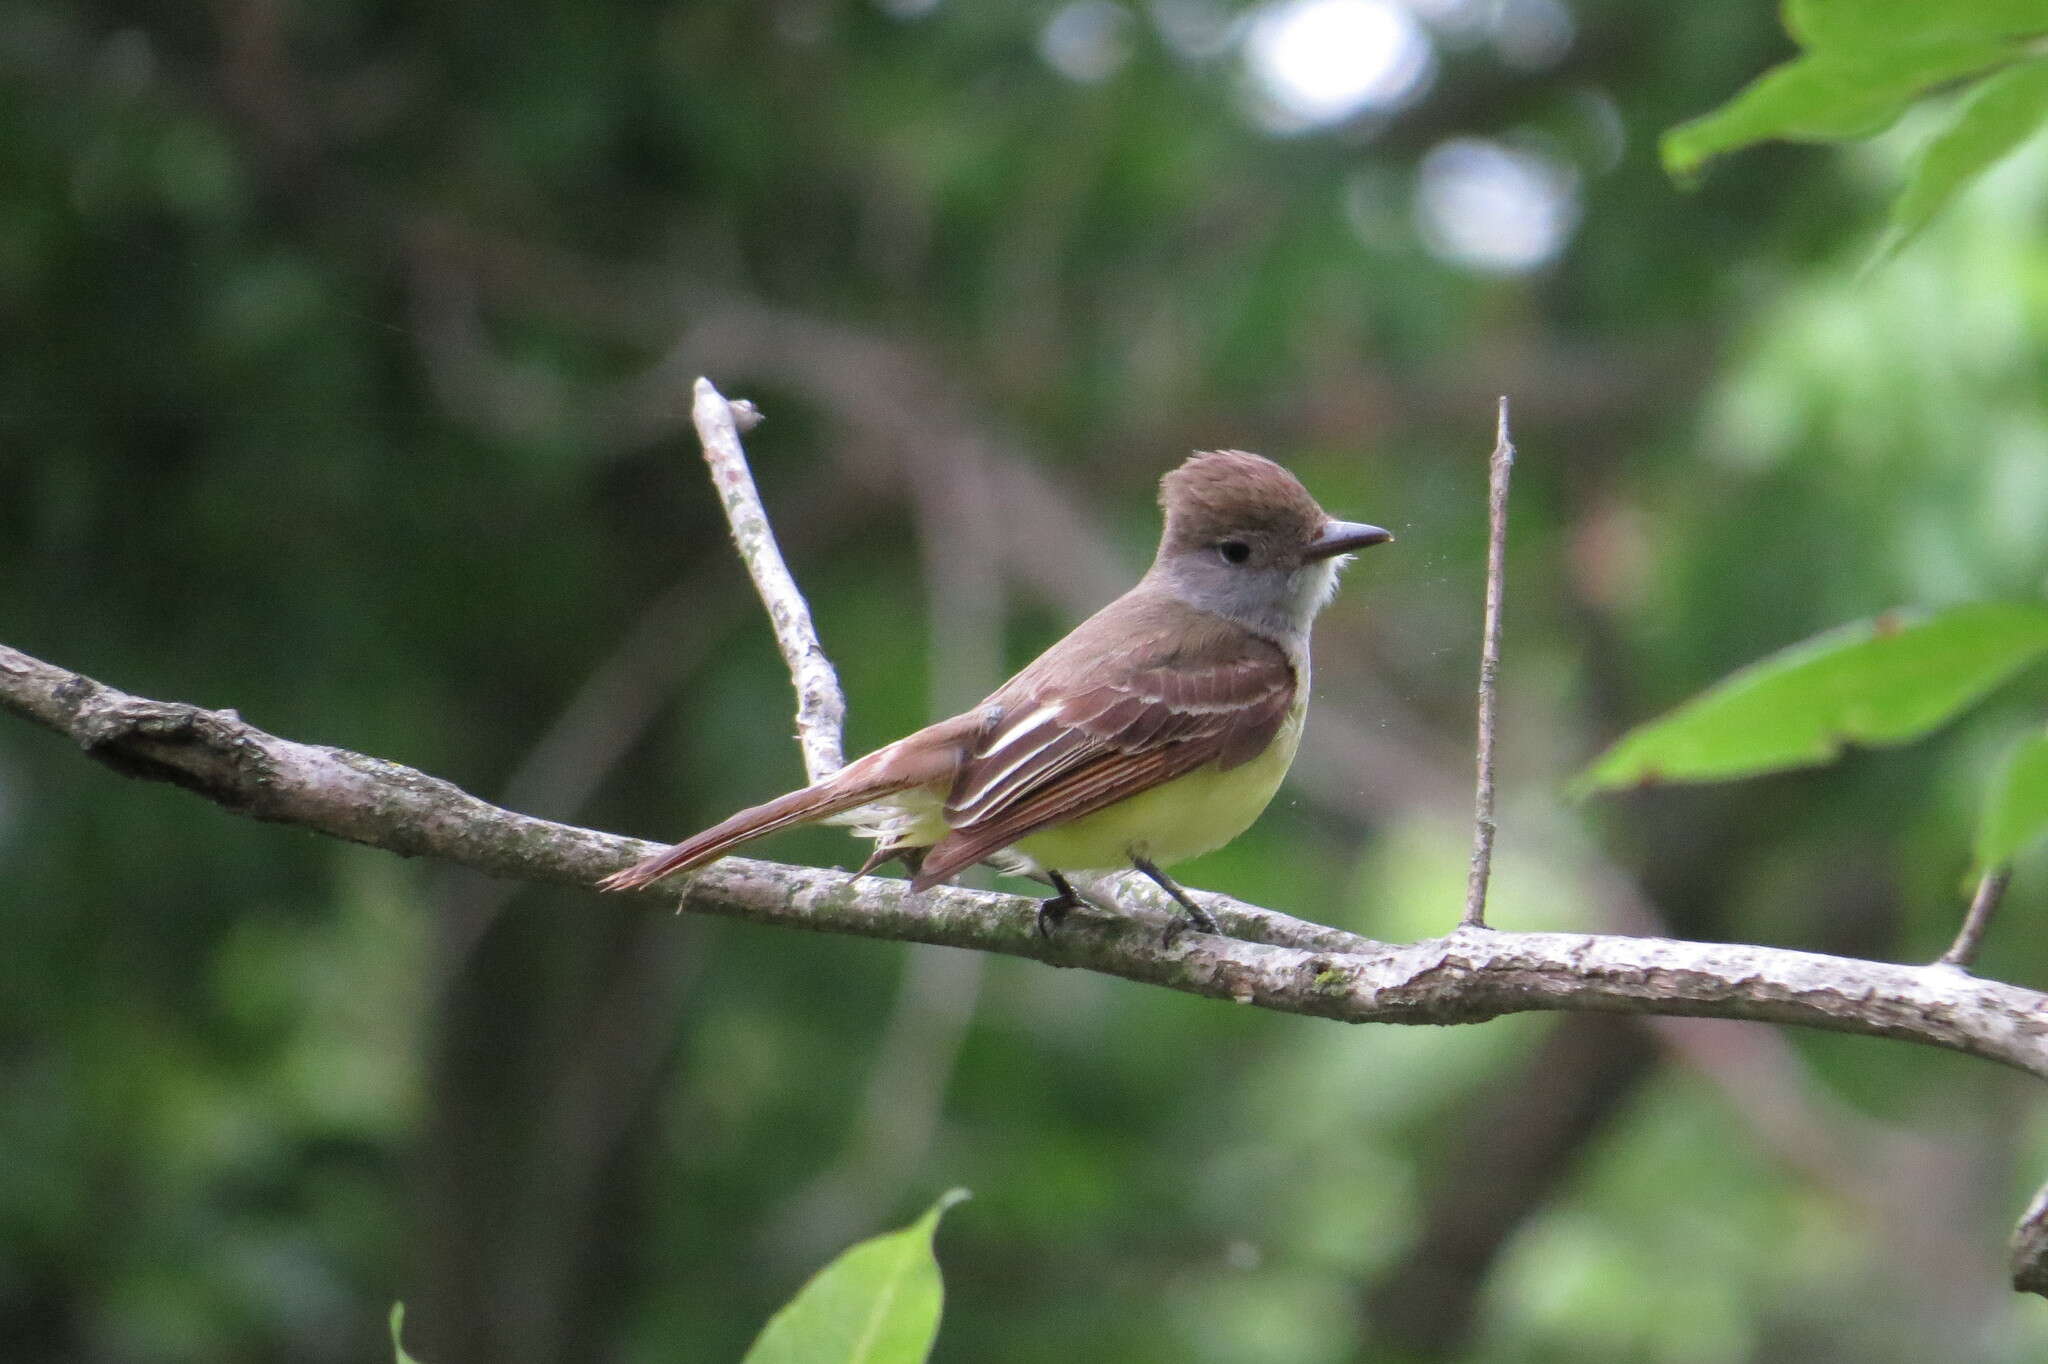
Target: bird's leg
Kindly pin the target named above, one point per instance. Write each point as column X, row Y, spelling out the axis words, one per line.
column 1050, row 912
column 1195, row 914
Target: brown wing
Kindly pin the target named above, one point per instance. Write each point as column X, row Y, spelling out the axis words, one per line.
column 1146, row 691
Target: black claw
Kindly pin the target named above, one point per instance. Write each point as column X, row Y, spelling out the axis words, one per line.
column 1196, row 918
column 1051, row 912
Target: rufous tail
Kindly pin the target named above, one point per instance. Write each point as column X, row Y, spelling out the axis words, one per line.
column 829, row 797
column 930, row 756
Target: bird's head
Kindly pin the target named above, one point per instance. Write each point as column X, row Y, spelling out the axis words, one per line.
column 1245, row 540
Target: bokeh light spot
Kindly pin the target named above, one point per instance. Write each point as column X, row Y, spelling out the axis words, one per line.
column 1496, row 208
column 1086, row 41
column 1318, row 62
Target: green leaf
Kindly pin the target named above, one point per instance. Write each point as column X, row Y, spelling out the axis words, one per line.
column 1862, row 63
column 1878, row 682
column 2004, row 111
column 1827, row 97
column 397, row 1327
column 1866, row 24
column 2017, row 812
column 876, row 1304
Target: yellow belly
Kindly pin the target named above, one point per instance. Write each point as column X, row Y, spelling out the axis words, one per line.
column 1170, row 823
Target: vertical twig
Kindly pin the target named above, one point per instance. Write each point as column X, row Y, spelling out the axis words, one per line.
column 1503, row 464
column 1962, row 953
column 820, row 704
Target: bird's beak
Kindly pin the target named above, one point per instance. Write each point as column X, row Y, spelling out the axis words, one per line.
column 1341, row 537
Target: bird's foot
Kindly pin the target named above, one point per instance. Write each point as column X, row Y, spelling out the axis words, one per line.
column 1191, row 914
column 1194, row 916
column 1052, row 911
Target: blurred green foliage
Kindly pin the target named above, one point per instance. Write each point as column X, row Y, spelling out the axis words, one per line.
column 2016, row 812
column 349, row 347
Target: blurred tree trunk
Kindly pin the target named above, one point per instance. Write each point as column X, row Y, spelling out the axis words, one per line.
column 551, row 1047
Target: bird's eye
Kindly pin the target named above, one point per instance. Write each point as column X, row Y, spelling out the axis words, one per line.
column 1234, row 551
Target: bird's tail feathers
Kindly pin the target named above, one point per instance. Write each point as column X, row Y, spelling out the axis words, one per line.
column 927, row 757
column 828, row 797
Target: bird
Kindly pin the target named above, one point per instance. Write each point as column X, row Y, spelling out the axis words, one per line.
column 1157, row 730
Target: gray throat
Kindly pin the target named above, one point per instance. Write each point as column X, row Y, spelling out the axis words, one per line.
column 1274, row 603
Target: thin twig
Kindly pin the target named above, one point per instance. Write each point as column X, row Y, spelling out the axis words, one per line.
column 1962, row 954
column 1489, row 670
column 820, row 704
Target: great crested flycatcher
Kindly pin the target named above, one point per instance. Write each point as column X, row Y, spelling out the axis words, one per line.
column 1156, row 731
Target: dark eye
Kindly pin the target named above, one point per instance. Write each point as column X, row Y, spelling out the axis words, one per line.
column 1234, row 551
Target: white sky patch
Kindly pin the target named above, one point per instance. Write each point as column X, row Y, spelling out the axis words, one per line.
column 1318, row 62
column 1494, row 208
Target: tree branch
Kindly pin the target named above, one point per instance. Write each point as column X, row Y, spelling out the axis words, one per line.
column 1271, row 960
column 820, row 704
